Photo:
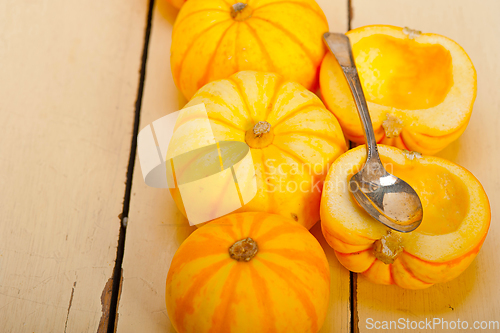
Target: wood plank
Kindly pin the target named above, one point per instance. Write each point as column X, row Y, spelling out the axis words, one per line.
column 155, row 226
column 475, row 295
column 70, row 72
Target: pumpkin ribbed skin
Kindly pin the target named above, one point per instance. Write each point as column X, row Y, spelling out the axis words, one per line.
column 278, row 36
column 306, row 136
column 456, row 218
column 283, row 288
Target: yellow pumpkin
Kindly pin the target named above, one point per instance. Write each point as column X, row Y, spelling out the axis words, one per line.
column 248, row 272
column 291, row 155
column 455, row 221
column 213, row 39
column 420, row 88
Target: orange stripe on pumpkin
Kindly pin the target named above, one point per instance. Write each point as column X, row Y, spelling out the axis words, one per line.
column 351, row 253
column 262, row 292
column 197, row 251
column 275, row 232
column 327, row 232
column 403, row 142
column 373, row 263
column 229, row 230
column 224, row 312
column 255, row 226
column 409, row 271
column 298, row 287
column 391, row 277
column 214, row 238
column 184, row 305
column 306, row 257
column 240, row 221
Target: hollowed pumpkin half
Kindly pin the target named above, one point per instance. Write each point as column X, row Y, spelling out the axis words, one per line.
column 213, row 39
column 246, row 273
column 292, row 137
column 420, row 88
column 455, row 221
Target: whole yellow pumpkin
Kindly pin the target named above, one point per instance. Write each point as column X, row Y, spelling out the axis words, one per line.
column 213, row 39
column 293, row 139
column 455, row 221
column 248, row 273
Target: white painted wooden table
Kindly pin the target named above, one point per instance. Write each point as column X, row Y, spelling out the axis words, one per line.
column 70, row 80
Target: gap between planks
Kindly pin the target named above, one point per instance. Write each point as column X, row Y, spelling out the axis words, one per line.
column 117, row 271
column 353, row 277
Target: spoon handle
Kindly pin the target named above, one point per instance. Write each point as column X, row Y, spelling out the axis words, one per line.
column 341, row 48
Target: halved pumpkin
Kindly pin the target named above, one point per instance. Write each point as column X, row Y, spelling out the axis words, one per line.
column 246, row 273
column 420, row 88
column 455, row 221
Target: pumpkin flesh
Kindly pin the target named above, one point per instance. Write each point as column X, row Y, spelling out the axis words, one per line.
column 455, row 223
column 402, row 74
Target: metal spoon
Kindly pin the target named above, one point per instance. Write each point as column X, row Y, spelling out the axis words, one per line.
column 385, row 197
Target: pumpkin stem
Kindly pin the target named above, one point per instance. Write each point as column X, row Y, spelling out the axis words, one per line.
column 243, row 250
column 392, row 126
column 411, row 155
column 240, row 11
column 388, row 248
column 262, row 127
column 260, row 136
column 412, row 33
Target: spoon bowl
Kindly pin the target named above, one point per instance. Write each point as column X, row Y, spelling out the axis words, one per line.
column 387, row 198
